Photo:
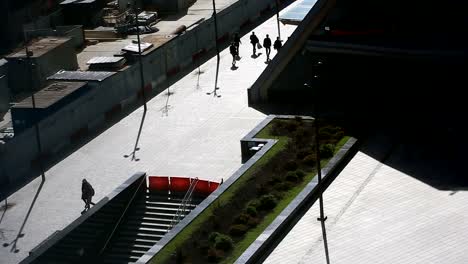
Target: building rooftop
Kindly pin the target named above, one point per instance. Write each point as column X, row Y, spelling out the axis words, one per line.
column 50, row 95
column 40, row 47
column 81, row 75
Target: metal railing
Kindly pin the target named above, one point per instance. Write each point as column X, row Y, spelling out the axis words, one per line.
column 183, row 206
column 117, row 224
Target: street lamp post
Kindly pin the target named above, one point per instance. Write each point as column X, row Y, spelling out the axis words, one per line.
column 142, row 84
column 33, row 100
column 277, row 18
column 322, row 217
column 214, row 92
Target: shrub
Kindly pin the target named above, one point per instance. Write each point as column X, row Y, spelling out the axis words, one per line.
column 300, row 174
column 223, row 242
column 310, row 160
column 253, row 221
column 291, row 176
column 267, row 202
column 212, row 237
column 252, row 211
column 290, row 165
column 220, row 241
column 327, row 150
column 238, row 230
column 255, row 203
column 284, row 186
column 243, row 218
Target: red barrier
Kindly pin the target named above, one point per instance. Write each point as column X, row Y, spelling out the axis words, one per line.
column 202, row 187
column 213, row 186
column 179, row 184
column 158, row 183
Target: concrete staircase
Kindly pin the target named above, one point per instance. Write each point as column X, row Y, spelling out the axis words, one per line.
column 147, row 219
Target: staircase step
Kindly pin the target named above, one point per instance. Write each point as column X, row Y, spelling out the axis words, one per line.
column 145, row 229
column 131, row 244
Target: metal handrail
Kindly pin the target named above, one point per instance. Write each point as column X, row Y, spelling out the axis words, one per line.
column 121, row 216
column 183, row 206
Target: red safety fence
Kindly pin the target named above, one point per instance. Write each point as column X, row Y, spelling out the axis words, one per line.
column 157, row 183
column 180, row 184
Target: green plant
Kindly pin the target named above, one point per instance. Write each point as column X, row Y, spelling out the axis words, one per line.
column 310, row 160
column 238, row 230
column 253, row 221
column 326, row 151
column 267, row 202
column 255, row 203
column 291, row 176
column 252, row 211
column 300, row 174
column 223, row 242
column 242, row 218
column 281, row 187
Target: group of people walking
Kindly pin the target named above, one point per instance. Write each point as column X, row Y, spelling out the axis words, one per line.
column 234, row 47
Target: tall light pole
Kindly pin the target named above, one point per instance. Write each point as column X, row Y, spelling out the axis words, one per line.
column 322, row 217
column 142, row 83
column 33, row 100
column 277, row 18
column 214, row 92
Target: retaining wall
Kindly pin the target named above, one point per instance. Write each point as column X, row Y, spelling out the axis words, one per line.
column 108, row 97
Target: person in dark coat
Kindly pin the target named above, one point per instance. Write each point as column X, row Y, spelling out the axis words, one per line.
column 233, row 51
column 277, row 46
column 254, row 40
column 237, row 42
column 87, row 193
column 267, row 45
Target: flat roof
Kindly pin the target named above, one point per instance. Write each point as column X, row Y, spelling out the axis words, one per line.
column 40, row 47
column 81, row 75
column 105, row 60
column 50, row 95
column 295, row 13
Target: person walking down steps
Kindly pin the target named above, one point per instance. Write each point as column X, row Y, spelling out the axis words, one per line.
column 87, row 193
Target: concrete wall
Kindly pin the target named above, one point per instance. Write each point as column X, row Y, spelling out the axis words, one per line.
column 75, row 32
column 62, row 57
column 4, row 90
column 107, row 98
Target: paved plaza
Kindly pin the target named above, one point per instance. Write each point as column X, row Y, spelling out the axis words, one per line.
column 378, row 213
column 196, row 135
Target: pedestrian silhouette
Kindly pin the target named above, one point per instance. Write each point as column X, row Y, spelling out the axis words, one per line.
column 237, row 42
column 254, row 41
column 87, row 193
column 277, row 46
column 233, row 51
column 267, row 45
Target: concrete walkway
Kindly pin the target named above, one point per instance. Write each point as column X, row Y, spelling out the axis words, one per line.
column 382, row 214
column 196, row 135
